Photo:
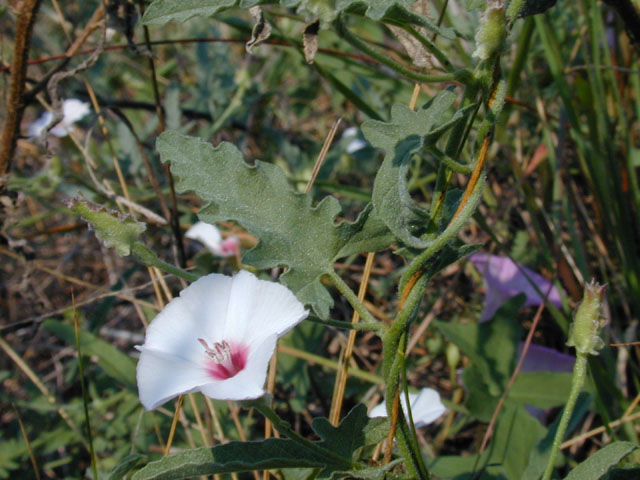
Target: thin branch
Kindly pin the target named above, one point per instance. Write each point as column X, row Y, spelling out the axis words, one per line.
column 15, row 105
column 328, row 51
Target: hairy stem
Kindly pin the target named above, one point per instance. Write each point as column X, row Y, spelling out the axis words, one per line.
column 579, row 374
column 351, row 297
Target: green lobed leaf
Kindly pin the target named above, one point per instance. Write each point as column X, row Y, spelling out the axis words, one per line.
column 347, row 437
column 407, row 132
column 164, row 11
column 599, row 464
column 125, row 465
column 375, row 9
column 231, row 457
column 117, row 231
column 355, row 431
column 115, row 363
column 292, row 233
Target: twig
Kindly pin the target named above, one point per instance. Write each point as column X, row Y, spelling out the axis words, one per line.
column 174, row 217
column 64, row 56
column 15, row 105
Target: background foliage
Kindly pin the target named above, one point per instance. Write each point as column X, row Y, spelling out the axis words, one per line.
column 561, row 196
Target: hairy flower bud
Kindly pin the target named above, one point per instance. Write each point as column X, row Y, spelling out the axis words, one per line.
column 492, row 31
column 585, row 330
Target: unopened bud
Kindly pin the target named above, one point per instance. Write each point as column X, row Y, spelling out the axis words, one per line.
column 492, row 30
column 453, row 356
column 585, row 330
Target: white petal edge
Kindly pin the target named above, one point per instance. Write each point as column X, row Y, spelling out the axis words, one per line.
column 426, row 407
column 161, row 377
column 258, row 309
column 199, row 312
column 74, row 110
column 207, row 234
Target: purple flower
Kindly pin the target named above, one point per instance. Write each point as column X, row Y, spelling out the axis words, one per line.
column 544, row 359
column 504, row 278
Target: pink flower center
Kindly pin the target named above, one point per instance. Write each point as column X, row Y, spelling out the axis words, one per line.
column 225, row 360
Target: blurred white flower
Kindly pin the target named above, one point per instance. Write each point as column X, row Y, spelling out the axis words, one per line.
column 210, row 237
column 216, row 338
column 503, row 278
column 426, row 407
column 355, row 144
column 72, row 109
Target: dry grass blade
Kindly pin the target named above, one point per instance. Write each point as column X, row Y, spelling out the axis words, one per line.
column 343, row 372
column 36, row 470
column 174, row 424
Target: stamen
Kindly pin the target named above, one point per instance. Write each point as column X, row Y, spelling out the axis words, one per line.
column 220, row 351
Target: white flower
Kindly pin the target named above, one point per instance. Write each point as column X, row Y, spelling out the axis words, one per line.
column 356, row 144
column 211, row 238
column 426, row 407
column 72, row 109
column 216, row 338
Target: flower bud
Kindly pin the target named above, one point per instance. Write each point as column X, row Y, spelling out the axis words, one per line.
column 453, row 356
column 492, row 31
column 585, row 330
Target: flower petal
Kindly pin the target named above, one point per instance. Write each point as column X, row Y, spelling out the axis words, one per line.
column 162, row 376
column 249, row 382
column 199, row 312
column 208, row 235
column 258, row 309
column 426, row 407
column 544, row 359
column 36, row 127
column 187, row 344
column 74, row 110
column 503, row 278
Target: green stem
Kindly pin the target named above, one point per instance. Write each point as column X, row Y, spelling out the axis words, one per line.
column 521, row 56
column 85, row 396
column 451, row 231
column 462, row 76
column 148, row 257
column 404, row 434
column 351, row 297
column 391, row 339
column 577, row 381
column 450, row 162
column 457, row 139
column 284, row 428
column 366, row 327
